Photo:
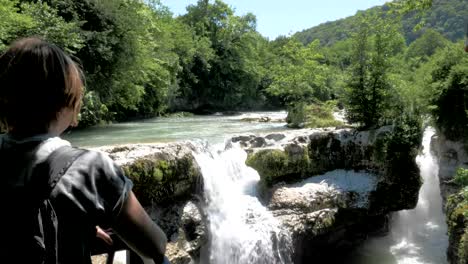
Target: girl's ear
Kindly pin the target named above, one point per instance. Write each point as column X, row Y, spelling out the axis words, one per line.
column 76, row 112
column 77, row 109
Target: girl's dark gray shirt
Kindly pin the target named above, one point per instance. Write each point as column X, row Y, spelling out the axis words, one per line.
column 90, row 193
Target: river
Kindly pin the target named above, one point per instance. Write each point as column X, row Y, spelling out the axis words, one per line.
column 213, row 128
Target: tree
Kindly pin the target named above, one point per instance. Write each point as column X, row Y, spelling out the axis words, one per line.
column 369, row 87
column 228, row 76
column 448, row 83
column 405, row 6
column 425, row 46
column 127, row 53
column 298, row 75
column 12, row 23
column 48, row 25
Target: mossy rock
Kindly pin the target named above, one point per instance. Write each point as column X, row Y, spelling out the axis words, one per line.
column 163, row 179
column 457, row 221
column 385, row 152
column 274, row 165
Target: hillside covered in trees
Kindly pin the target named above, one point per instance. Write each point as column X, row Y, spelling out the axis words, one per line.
column 447, row 17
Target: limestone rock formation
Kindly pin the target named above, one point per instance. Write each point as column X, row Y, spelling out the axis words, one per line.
column 451, row 156
column 364, row 175
column 329, row 188
column 168, row 183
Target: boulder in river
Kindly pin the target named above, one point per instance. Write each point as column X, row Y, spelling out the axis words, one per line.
column 332, row 189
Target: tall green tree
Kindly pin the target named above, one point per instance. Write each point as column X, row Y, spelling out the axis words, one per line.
column 127, row 54
column 298, row 75
column 12, row 23
column 227, row 76
column 369, row 89
column 447, row 80
column 426, row 45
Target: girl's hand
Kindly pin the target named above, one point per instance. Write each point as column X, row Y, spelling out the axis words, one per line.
column 103, row 235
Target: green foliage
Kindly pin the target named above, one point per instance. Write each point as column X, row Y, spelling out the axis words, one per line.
column 446, row 17
column 406, row 138
column 461, row 177
column 140, row 61
column 369, row 90
column 405, row 6
column 463, row 247
column 48, row 25
column 312, row 115
column 127, row 53
column 457, row 221
column 402, row 145
column 93, row 111
column 340, row 54
column 296, row 115
column 12, row 23
column 448, row 95
column 37, row 19
column 298, row 75
column 227, row 71
column 426, row 45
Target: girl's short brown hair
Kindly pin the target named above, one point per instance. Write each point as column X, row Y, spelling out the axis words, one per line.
column 37, row 80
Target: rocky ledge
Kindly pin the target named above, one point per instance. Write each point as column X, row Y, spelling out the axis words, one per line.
column 169, row 184
column 332, row 189
column 452, row 156
column 329, row 188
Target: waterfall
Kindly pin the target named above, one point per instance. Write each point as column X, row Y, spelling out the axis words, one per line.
column 417, row 236
column 242, row 230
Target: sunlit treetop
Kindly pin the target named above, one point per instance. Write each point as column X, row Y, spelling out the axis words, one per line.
column 405, row 6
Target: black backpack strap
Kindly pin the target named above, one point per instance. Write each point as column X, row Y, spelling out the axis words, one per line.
column 49, row 172
column 60, row 161
column 44, row 179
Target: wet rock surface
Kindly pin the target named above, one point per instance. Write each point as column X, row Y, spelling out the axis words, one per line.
column 333, row 212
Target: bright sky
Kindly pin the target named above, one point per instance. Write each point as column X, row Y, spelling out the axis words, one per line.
column 284, row 17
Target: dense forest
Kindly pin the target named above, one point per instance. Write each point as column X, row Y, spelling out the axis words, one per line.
column 383, row 65
column 447, row 17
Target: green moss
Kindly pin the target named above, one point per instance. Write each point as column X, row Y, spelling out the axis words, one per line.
column 275, row 165
column 157, row 180
column 461, row 177
column 463, row 248
column 457, row 220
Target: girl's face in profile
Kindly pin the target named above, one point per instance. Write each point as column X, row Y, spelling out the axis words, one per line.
column 65, row 118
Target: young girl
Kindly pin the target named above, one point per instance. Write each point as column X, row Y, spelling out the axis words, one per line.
column 40, row 93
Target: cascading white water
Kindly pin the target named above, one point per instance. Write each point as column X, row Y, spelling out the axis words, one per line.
column 242, row 230
column 417, row 236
